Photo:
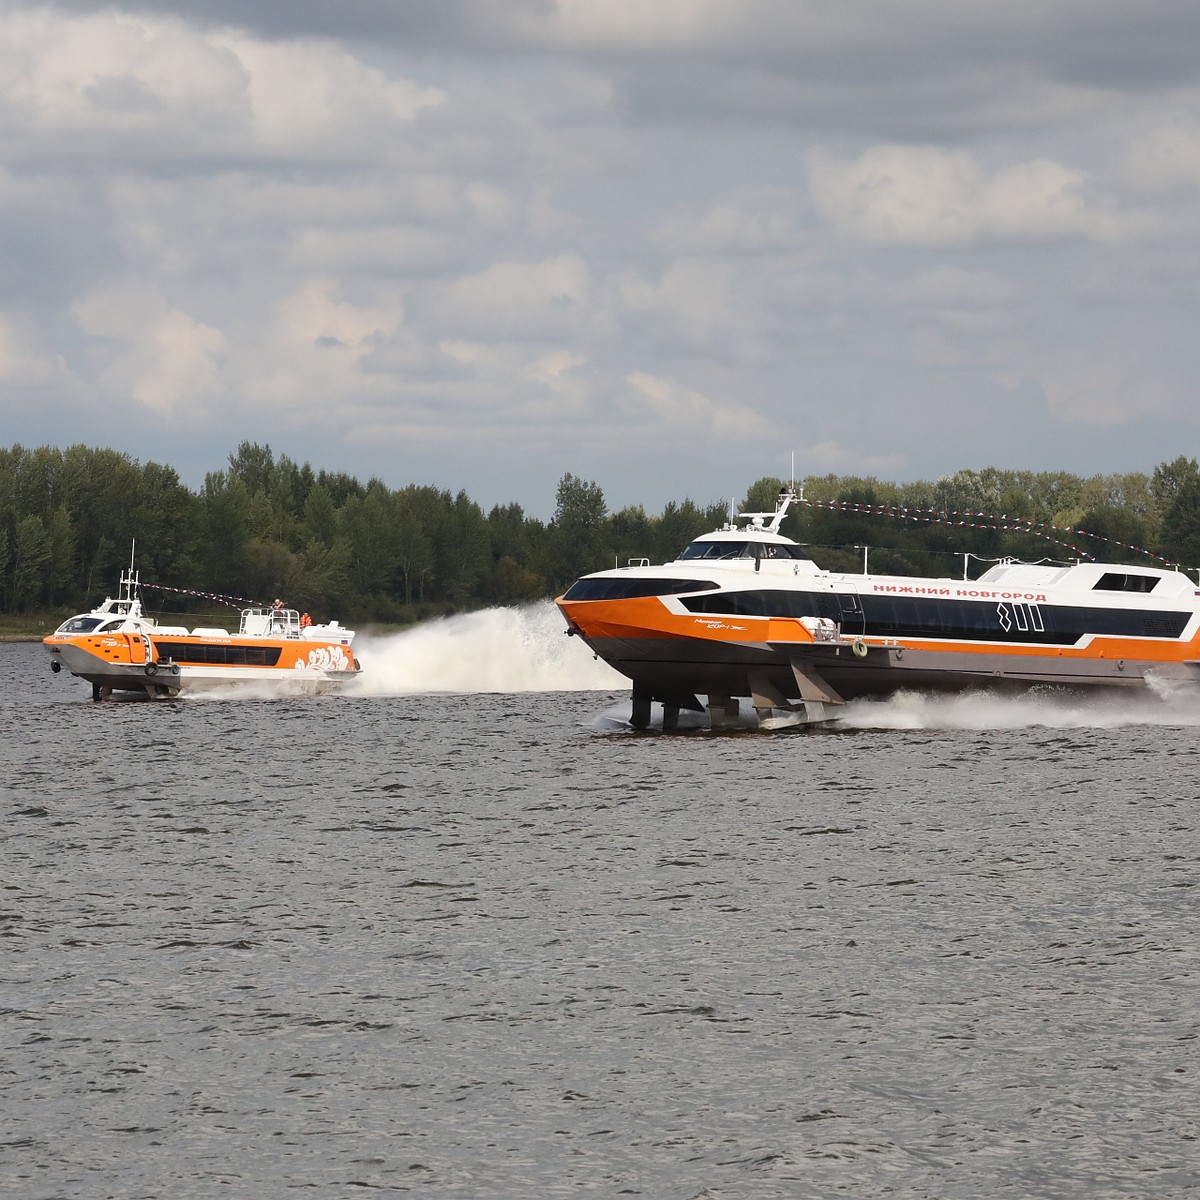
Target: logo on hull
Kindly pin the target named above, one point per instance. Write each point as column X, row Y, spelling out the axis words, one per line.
column 325, row 658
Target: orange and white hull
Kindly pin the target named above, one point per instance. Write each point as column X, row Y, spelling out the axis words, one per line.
column 117, row 648
column 791, row 636
column 167, row 665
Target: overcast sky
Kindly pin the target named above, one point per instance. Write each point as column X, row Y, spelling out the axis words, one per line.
column 661, row 244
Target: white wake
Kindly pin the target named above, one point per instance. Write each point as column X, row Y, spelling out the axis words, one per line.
column 985, row 712
column 523, row 649
column 1051, row 709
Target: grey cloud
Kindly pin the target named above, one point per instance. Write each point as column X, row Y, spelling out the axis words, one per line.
column 907, row 237
column 406, row 24
column 1096, row 42
column 908, row 69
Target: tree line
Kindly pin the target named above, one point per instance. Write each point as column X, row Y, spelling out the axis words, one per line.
column 266, row 526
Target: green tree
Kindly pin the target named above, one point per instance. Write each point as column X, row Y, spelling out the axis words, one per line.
column 166, row 519
column 509, row 533
column 633, row 535
column 109, row 506
column 320, row 515
column 1115, row 531
column 340, row 486
column 463, row 550
column 578, row 529
column 420, row 512
column 321, row 585
column 253, row 465
column 31, row 558
column 1054, row 492
column 512, row 583
column 225, row 533
column 683, row 523
column 1176, row 488
column 39, row 481
column 60, row 541
column 513, row 539
column 1169, row 479
column 369, row 528
column 763, row 494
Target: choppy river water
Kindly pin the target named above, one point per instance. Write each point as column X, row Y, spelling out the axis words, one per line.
column 453, row 937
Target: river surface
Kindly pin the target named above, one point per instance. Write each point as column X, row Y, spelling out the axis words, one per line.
column 457, row 936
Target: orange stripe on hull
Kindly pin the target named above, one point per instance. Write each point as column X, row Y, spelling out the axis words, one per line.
column 647, row 618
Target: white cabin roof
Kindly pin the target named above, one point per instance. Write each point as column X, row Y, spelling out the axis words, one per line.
column 1091, row 576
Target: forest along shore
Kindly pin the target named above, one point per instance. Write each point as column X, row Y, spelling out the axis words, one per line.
column 373, row 554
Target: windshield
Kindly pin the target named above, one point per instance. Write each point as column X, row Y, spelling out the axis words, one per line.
column 711, row 550
column 79, row 625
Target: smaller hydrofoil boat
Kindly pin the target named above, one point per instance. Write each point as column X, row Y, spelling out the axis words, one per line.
column 116, row 647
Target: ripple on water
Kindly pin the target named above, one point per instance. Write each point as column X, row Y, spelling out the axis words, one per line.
column 455, row 947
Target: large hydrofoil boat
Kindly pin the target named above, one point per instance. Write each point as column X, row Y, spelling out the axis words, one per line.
column 745, row 612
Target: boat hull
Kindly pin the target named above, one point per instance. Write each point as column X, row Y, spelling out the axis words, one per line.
column 680, row 665
column 677, row 657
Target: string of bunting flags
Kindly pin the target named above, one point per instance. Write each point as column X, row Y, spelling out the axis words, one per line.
column 231, row 601
column 981, row 520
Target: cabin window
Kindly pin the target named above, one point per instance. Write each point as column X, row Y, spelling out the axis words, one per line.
column 1163, row 625
column 628, row 589
column 79, row 625
column 768, row 604
column 730, row 550
column 1117, row 581
column 218, row 655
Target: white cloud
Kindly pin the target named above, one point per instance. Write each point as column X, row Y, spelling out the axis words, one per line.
column 368, row 248
column 834, row 457
column 634, row 24
column 928, row 196
column 342, row 108
column 310, row 362
column 948, row 286
column 163, row 358
column 1167, row 159
column 541, row 298
column 179, row 364
column 710, row 302
column 1112, row 384
column 127, row 87
column 739, row 224
column 770, row 29
column 26, row 362
column 115, row 77
column 656, row 401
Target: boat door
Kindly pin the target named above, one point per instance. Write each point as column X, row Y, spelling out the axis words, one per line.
column 853, row 620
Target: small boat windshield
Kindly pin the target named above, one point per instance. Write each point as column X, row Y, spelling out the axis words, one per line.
column 725, row 549
column 79, row 625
